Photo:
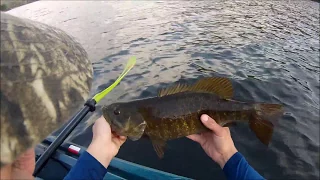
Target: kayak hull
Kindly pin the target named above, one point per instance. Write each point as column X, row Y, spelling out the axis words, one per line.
column 67, row 155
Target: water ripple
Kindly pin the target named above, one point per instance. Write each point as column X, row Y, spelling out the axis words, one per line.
column 269, row 49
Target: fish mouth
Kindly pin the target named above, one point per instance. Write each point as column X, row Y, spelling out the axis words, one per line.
column 138, row 131
column 133, row 133
column 115, row 127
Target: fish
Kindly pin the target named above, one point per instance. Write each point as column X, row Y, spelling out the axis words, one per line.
column 176, row 112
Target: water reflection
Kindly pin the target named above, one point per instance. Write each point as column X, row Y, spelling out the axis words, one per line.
column 269, row 49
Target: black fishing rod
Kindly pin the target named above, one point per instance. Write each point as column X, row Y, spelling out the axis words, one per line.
column 89, row 106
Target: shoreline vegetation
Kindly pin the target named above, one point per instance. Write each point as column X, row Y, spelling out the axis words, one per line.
column 7, row 5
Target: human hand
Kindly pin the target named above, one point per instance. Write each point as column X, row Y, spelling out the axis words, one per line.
column 24, row 166
column 21, row 168
column 104, row 145
column 218, row 143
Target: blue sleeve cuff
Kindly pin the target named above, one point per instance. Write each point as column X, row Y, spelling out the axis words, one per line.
column 232, row 162
column 238, row 168
column 87, row 167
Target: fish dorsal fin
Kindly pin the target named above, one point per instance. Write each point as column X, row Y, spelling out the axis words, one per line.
column 217, row 85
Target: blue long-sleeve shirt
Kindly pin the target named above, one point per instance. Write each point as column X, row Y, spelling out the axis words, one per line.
column 88, row 168
column 237, row 168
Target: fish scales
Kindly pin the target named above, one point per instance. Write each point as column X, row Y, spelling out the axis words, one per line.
column 178, row 115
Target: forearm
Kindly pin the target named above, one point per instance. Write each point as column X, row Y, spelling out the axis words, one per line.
column 238, row 168
column 86, row 168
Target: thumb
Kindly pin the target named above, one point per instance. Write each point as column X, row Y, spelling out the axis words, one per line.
column 212, row 125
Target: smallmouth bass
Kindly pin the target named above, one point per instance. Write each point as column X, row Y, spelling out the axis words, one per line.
column 176, row 112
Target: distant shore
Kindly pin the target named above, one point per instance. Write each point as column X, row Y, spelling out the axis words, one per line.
column 6, row 5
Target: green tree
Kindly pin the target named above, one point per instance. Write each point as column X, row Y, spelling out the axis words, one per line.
column 3, row 7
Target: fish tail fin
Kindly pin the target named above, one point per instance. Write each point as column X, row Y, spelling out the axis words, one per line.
column 264, row 119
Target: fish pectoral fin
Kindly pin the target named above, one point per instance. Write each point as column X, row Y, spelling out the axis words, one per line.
column 216, row 85
column 159, row 146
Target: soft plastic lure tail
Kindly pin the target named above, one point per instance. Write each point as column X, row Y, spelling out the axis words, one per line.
column 131, row 62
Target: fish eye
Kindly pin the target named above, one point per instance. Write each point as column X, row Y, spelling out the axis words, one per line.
column 116, row 112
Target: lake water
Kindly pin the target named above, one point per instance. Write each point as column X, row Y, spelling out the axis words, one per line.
column 270, row 50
